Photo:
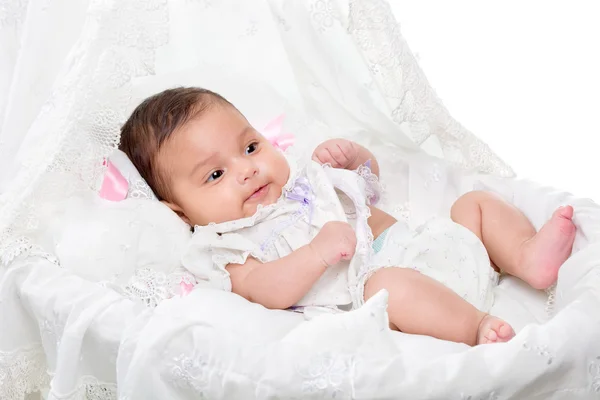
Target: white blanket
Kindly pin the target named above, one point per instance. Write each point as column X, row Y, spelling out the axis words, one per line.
column 213, row 344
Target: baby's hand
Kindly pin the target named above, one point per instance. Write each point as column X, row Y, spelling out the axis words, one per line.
column 340, row 153
column 335, row 242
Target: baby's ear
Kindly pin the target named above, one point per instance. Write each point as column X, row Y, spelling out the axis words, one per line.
column 177, row 210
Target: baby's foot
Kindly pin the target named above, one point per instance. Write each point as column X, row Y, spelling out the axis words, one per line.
column 494, row 330
column 542, row 255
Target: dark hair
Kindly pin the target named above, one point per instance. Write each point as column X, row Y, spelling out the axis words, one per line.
column 153, row 122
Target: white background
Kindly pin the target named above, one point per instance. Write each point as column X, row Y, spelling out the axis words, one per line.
column 522, row 75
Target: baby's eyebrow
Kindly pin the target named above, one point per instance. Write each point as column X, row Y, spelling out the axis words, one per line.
column 248, row 129
column 201, row 164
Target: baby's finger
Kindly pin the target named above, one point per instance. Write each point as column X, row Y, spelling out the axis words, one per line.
column 346, row 148
column 337, row 155
column 323, row 157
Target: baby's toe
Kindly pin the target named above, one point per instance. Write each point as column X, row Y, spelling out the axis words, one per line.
column 494, row 330
column 506, row 332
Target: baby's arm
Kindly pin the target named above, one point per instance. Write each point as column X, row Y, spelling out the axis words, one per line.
column 343, row 153
column 282, row 283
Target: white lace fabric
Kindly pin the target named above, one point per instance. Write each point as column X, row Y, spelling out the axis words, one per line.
column 23, row 371
column 345, row 68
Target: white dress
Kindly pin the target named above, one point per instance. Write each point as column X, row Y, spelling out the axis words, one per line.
column 315, row 195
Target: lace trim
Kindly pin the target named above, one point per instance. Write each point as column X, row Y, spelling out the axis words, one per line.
column 23, row 371
column 152, row 287
column 139, row 189
column 323, row 14
column 374, row 187
column 14, row 249
column 192, row 373
column 327, row 376
column 366, row 249
column 23, row 247
column 594, row 372
column 551, row 292
column 324, row 376
column 89, row 388
column 358, row 290
column 146, row 284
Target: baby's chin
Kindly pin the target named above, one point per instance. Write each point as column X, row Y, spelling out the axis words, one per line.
column 250, row 208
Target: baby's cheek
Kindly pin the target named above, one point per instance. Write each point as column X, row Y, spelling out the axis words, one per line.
column 284, row 172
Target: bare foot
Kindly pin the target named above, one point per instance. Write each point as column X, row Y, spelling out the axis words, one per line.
column 494, row 330
column 543, row 255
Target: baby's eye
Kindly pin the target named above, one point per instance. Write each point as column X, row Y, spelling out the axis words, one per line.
column 215, row 175
column 251, row 148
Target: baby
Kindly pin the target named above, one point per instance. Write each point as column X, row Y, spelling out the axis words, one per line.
column 276, row 228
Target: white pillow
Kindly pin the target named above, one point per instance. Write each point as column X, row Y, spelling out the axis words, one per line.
column 134, row 245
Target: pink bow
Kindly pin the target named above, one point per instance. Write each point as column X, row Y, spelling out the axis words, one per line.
column 186, row 287
column 114, row 186
column 273, row 133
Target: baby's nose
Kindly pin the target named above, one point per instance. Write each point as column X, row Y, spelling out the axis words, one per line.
column 247, row 171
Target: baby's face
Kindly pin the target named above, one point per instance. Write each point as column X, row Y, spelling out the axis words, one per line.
column 220, row 168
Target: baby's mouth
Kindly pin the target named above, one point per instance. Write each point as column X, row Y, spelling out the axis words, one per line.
column 259, row 193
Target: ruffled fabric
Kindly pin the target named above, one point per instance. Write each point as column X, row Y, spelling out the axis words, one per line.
column 373, row 186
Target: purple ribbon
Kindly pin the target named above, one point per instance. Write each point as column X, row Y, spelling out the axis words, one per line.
column 302, row 193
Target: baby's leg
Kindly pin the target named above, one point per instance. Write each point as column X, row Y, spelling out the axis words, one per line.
column 421, row 305
column 512, row 242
